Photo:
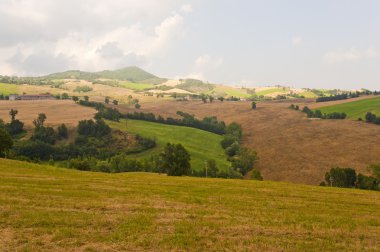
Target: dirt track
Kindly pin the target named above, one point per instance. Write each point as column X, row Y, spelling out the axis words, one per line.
column 290, row 146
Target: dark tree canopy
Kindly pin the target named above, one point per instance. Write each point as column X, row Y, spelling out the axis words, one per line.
column 176, row 160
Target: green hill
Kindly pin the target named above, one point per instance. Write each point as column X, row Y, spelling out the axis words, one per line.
column 132, row 74
column 54, row 209
column 202, row 145
column 355, row 109
column 195, row 86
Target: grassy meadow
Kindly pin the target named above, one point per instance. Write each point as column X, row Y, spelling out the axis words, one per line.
column 271, row 91
column 230, row 91
column 355, row 109
column 135, row 86
column 7, row 89
column 202, row 145
column 53, row 209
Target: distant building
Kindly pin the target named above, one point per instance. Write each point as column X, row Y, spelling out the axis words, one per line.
column 14, row 97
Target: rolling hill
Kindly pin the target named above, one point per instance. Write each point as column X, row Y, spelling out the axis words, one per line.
column 355, row 109
column 132, row 74
column 202, row 145
column 54, row 209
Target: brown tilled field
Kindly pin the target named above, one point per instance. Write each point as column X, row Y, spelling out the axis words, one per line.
column 291, row 147
column 57, row 111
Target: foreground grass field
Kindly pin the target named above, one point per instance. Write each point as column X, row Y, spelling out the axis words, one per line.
column 355, row 109
column 51, row 209
column 202, row 145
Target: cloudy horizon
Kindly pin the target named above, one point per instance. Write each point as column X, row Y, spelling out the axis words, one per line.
column 313, row 44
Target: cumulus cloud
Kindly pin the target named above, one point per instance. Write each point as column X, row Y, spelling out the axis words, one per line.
column 350, row 55
column 205, row 67
column 47, row 36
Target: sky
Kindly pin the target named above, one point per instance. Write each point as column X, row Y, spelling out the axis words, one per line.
column 298, row 43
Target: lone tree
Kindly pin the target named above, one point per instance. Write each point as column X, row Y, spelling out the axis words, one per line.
column 253, row 105
column 75, row 98
column 107, row 100
column 6, row 142
column 115, row 102
column 13, row 114
column 39, row 122
column 176, row 160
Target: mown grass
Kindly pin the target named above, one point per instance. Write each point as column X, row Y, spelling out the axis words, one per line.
column 7, row 89
column 202, row 145
column 135, row 86
column 355, row 109
column 51, row 209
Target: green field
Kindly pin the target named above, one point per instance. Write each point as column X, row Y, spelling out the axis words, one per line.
column 355, row 109
column 241, row 93
column 271, row 91
column 135, row 86
column 308, row 94
column 7, row 89
column 202, row 145
column 54, row 209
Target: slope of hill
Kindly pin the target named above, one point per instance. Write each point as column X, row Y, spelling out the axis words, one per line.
column 202, row 145
column 195, row 86
column 355, row 109
column 51, row 209
column 133, row 74
column 290, row 146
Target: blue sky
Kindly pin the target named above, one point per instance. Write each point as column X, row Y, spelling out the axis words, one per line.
column 322, row 44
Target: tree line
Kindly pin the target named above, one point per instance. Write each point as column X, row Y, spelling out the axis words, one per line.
column 348, row 178
column 318, row 114
column 372, row 118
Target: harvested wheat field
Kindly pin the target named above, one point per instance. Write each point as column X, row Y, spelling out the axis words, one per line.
column 55, row 209
column 57, row 111
column 290, row 146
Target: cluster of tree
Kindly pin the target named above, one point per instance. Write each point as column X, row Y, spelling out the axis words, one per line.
column 94, row 140
column 47, row 134
column 210, row 124
column 103, row 111
column 83, row 89
column 295, row 107
column 25, row 80
column 4, row 97
column 242, row 159
column 174, row 160
column 372, row 118
column 107, row 101
column 338, row 97
column 63, row 96
column 347, row 177
column 318, row 114
column 15, row 126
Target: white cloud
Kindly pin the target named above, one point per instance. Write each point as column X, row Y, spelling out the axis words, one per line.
column 205, row 67
column 186, row 8
column 296, row 41
column 85, row 37
column 350, row 55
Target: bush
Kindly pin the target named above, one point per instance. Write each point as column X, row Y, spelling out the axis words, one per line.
column 256, row 175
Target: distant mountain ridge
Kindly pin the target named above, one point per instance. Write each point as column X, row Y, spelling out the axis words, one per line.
column 133, row 74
